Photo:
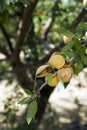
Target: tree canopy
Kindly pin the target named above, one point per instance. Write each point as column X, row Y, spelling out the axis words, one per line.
column 32, row 30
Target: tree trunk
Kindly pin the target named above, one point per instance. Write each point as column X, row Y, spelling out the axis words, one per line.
column 42, row 102
column 26, row 83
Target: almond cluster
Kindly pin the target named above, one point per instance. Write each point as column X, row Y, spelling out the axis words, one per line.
column 57, row 68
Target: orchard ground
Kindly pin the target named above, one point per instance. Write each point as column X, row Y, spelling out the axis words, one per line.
column 66, row 110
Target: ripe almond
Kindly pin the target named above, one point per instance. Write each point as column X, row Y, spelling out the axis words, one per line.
column 57, row 61
column 43, row 70
column 65, row 74
column 54, row 81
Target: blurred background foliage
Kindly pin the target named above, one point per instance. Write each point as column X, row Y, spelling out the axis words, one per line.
column 36, row 47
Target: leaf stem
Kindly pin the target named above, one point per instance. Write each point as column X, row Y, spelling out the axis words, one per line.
column 42, row 86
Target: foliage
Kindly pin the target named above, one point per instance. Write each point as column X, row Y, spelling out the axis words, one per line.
column 30, row 31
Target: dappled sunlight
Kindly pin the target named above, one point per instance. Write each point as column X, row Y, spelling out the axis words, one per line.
column 2, row 56
column 43, row 46
column 66, row 109
column 68, row 106
column 64, row 120
column 11, row 113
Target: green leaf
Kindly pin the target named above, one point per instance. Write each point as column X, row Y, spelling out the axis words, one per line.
column 32, row 109
column 5, row 17
column 77, row 68
column 27, row 91
column 68, row 53
column 66, row 32
column 78, row 46
column 24, row 1
column 83, row 25
column 49, row 77
column 25, row 100
column 84, row 59
column 68, row 46
column 3, row 5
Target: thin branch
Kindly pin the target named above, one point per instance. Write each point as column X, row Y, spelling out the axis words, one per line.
column 42, row 86
column 50, row 20
column 79, row 18
column 6, row 37
column 25, row 24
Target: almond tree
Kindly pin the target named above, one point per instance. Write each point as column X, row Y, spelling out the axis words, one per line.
column 35, row 29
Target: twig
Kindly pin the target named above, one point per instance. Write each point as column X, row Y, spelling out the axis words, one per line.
column 42, row 86
column 82, row 13
column 7, row 37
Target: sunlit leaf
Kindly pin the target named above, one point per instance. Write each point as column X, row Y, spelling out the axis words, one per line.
column 68, row 46
column 49, row 77
column 84, row 59
column 25, row 100
column 77, row 68
column 68, row 53
column 32, row 109
column 83, row 25
column 27, row 91
column 66, row 32
column 79, row 47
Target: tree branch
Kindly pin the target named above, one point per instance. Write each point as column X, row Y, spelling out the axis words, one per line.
column 6, row 37
column 50, row 21
column 82, row 13
column 25, row 24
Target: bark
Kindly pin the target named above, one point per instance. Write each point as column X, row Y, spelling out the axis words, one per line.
column 22, row 78
column 26, row 83
column 24, row 27
column 42, row 102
